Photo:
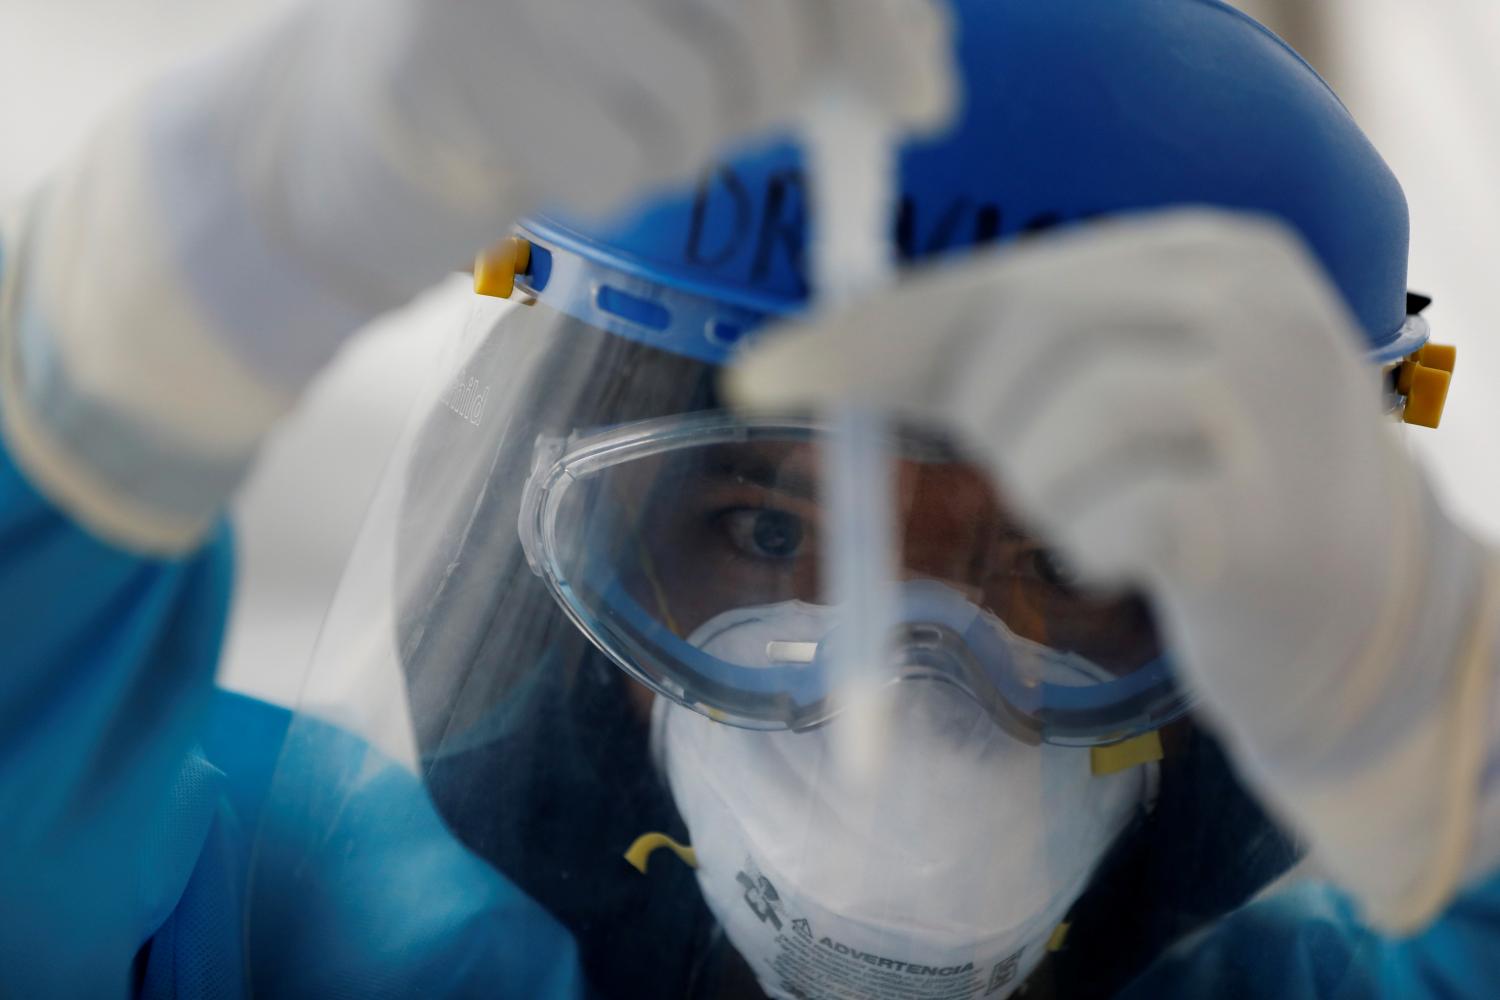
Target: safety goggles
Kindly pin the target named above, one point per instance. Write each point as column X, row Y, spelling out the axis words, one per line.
column 687, row 549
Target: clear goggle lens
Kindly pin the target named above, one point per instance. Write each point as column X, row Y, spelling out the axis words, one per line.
column 689, row 550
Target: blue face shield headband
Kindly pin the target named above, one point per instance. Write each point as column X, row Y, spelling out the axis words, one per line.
column 685, row 548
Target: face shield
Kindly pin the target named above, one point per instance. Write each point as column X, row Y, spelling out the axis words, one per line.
column 588, row 617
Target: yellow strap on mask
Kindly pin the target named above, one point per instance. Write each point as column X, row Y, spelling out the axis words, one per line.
column 639, row 853
column 1143, row 749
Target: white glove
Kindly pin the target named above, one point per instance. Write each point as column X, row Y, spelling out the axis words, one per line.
column 589, row 101
column 187, row 275
column 474, row 111
column 1179, row 403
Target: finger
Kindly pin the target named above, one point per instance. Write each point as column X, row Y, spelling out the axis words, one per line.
column 1122, row 435
column 900, row 54
column 1055, row 354
column 887, row 352
column 1154, row 530
column 655, row 88
column 560, row 134
column 1030, row 311
column 677, row 82
column 764, row 48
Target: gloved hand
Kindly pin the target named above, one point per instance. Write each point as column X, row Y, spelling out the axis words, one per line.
column 477, row 110
column 586, row 102
column 220, row 239
column 1179, row 403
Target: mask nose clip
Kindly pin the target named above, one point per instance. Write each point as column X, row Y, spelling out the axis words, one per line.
column 933, row 651
column 928, row 649
column 937, row 652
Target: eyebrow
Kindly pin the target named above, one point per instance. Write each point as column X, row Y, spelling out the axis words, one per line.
column 760, row 470
column 791, row 478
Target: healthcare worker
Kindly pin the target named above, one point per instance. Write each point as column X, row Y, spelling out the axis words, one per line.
column 1177, row 402
column 163, row 300
column 591, row 607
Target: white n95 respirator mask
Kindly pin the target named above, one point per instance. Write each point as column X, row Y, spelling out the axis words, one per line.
column 943, row 872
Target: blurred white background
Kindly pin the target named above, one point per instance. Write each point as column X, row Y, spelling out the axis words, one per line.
column 1421, row 78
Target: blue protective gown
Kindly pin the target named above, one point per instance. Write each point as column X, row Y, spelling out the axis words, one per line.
column 130, row 789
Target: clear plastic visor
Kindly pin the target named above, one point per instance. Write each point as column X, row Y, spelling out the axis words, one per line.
column 471, row 775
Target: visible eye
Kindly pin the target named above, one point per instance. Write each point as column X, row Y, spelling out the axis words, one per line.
column 765, row 533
